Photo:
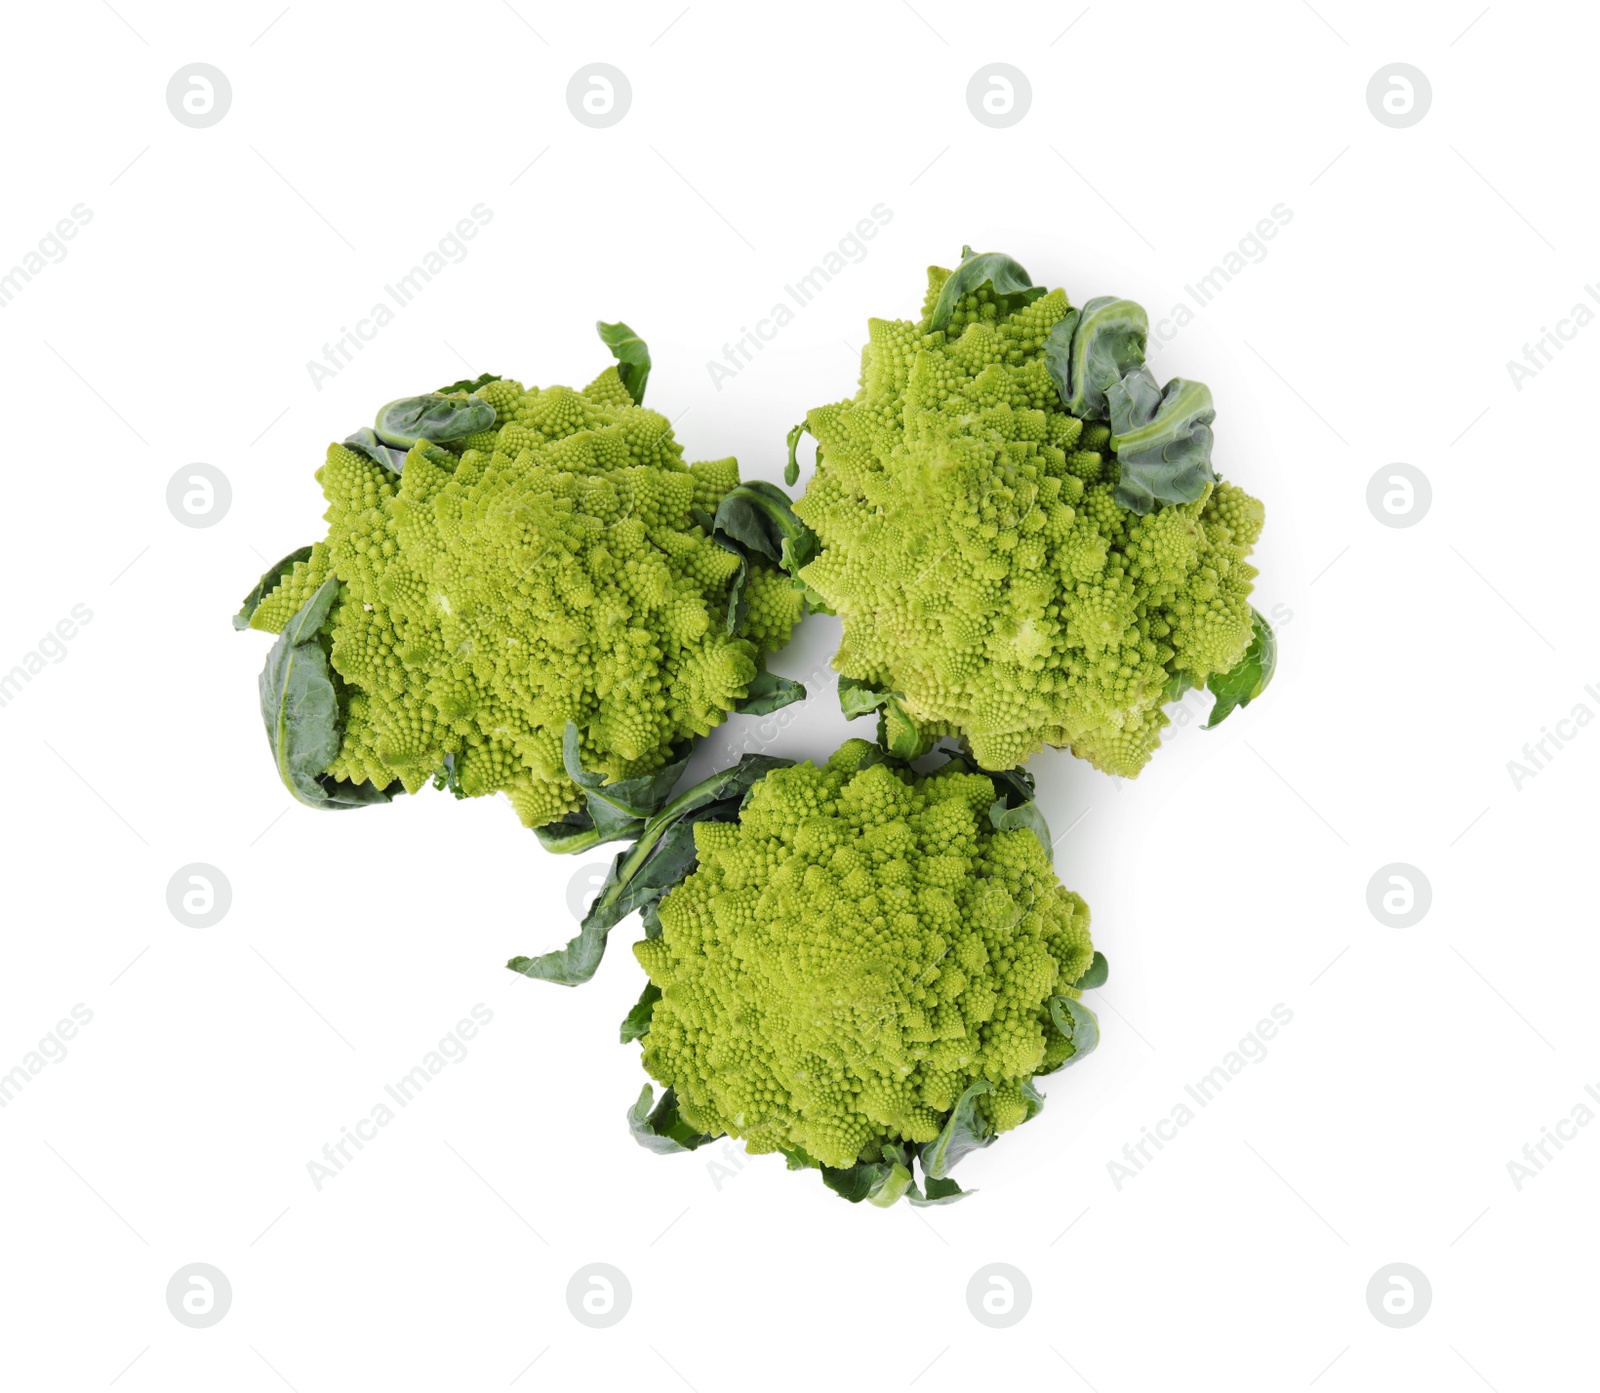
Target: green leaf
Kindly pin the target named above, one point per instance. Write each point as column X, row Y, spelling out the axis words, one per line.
column 1095, row 974
column 470, row 385
column 1177, row 684
column 964, row 1131
column 270, row 579
column 1248, row 678
column 768, row 693
column 859, row 699
column 943, row 1191
column 1011, row 286
column 878, row 1182
column 1078, row 1023
column 636, row 1024
column 1016, row 809
column 642, row 874
column 791, row 471
column 1162, row 439
column 432, row 416
column 619, row 810
column 632, row 355
column 661, row 1129
column 300, row 706
column 899, row 734
column 1092, row 350
column 365, row 442
column 569, row 835
column 756, row 520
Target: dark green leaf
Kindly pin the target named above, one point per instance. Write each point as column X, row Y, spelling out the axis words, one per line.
column 879, row 1182
column 269, row 581
column 791, row 471
column 632, row 355
column 1162, row 440
column 1095, row 974
column 300, row 708
column 966, row 1130
column 1092, row 350
column 858, row 699
column 1011, row 286
column 944, row 1191
column 642, row 874
column 470, row 385
column 1248, row 678
column 1078, row 1023
column 662, row 1129
column 756, row 520
column 365, row 442
column 569, row 835
column 768, row 693
column 636, row 1025
column 618, row 809
column 432, row 416
column 1016, row 807
column 799, row 1160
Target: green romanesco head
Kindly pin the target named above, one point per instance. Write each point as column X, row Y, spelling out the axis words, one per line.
column 982, row 568
column 853, row 953
column 543, row 571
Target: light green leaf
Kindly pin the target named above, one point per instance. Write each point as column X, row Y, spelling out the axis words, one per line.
column 1162, row 440
column 661, row 1128
column 632, row 355
column 1248, row 678
column 1011, row 286
column 1092, row 350
column 965, row 1130
column 270, row 580
column 300, row 707
column 432, row 416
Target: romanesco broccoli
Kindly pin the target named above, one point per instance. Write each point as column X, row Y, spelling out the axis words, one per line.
column 862, row 956
column 1001, row 572
column 555, row 566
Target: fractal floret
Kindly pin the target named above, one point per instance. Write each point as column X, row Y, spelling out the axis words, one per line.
column 869, row 965
column 500, row 562
column 1023, row 534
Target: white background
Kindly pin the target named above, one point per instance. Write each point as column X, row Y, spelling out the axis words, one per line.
column 1230, row 877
